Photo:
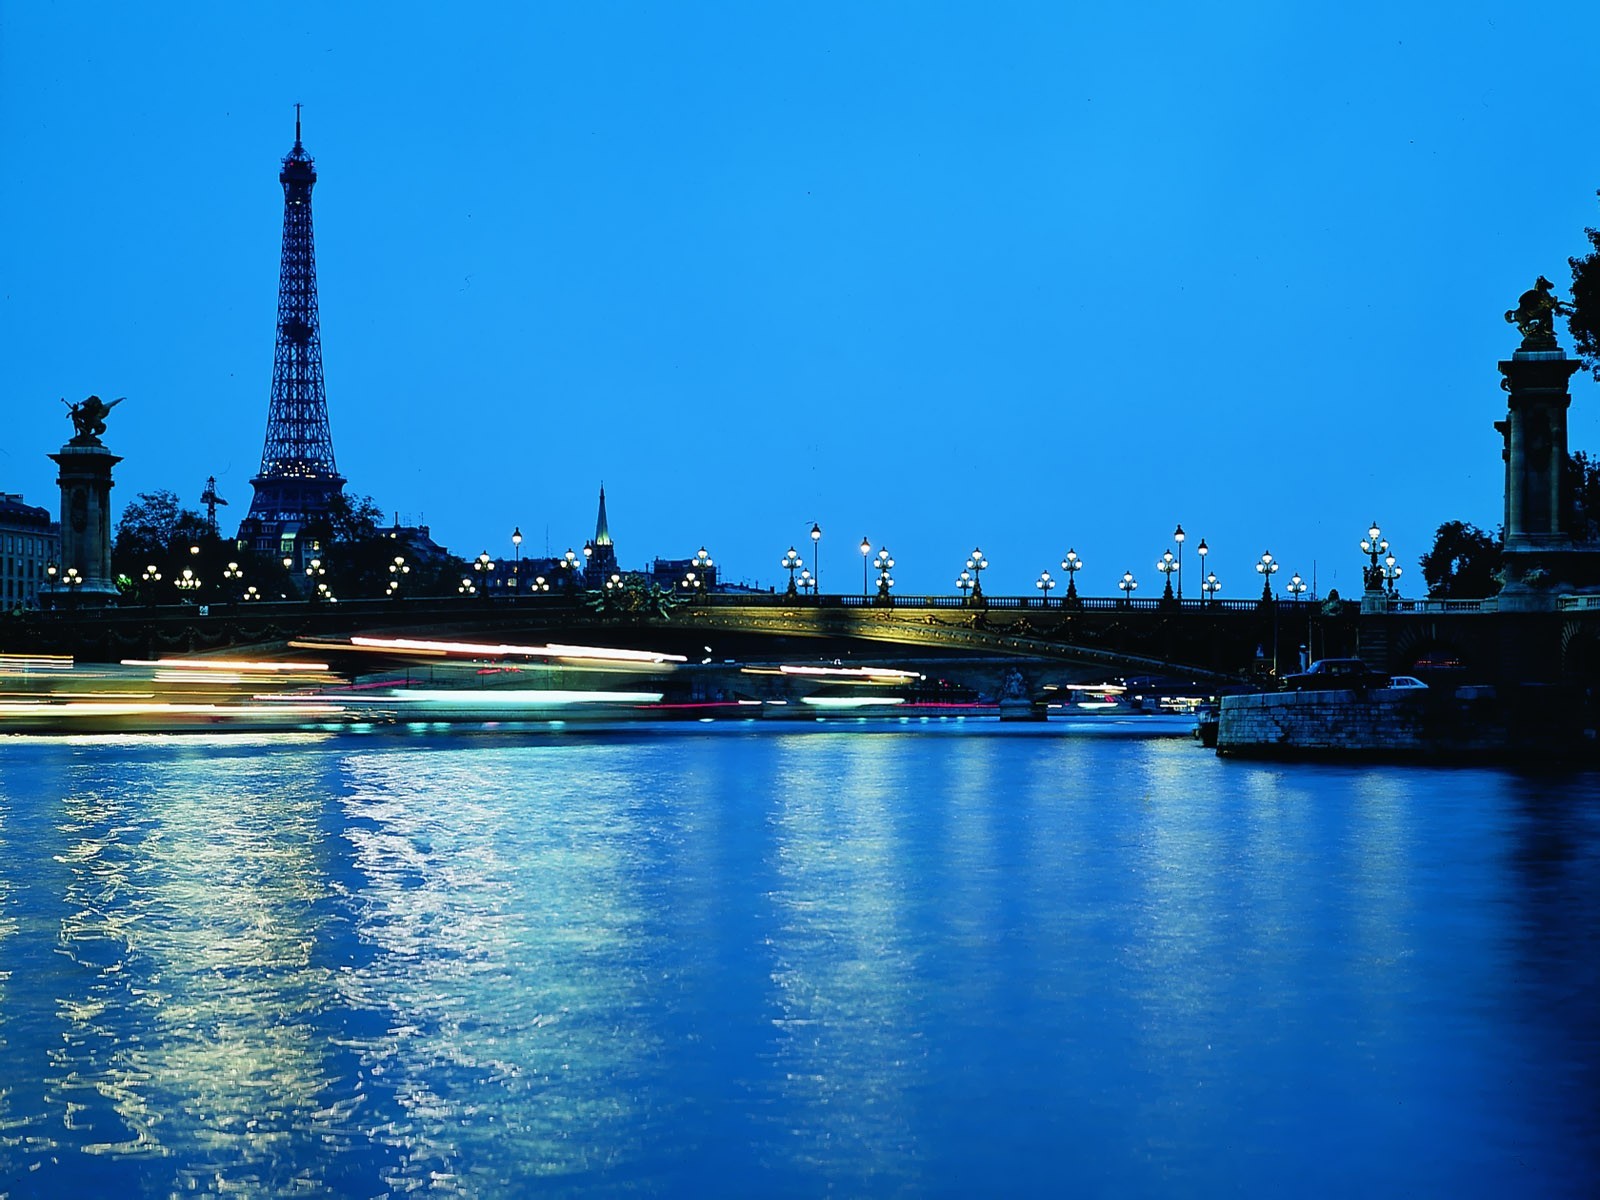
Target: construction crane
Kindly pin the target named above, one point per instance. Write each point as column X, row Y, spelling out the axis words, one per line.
column 210, row 499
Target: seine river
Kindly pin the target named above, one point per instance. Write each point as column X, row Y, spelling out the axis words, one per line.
column 731, row 961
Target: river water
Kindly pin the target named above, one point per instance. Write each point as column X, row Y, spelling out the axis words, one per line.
column 729, row 960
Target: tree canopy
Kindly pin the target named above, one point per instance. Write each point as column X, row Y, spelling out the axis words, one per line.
column 1463, row 563
column 1584, row 318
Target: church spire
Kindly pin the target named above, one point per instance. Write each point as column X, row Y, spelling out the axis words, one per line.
column 602, row 530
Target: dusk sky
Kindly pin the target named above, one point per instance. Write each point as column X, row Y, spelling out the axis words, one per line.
column 1026, row 275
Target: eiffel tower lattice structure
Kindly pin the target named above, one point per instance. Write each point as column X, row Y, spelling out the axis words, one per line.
column 299, row 479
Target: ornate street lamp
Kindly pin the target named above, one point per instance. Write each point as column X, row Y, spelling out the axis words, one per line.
column 314, row 573
column 150, row 577
column 483, row 565
column 1211, row 585
column 976, row 565
column 251, row 593
column 866, row 554
column 808, row 582
column 702, row 563
column 1391, row 574
column 540, row 584
column 568, row 563
column 816, row 539
column 465, row 587
column 1167, row 564
column 1128, row 584
column 1296, row 587
column 690, row 582
column 1202, row 550
column 1375, row 546
column 397, row 570
column 791, row 562
column 516, row 556
column 1266, row 568
column 1179, row 536
column 1072, row 564
column 1045, row 584
column 74, row 581
column 965, row 582
column 885, row 564
column 233, row 574
column 187, row 583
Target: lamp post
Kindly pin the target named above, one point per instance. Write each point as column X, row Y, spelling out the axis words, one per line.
column 1374, row 545
column 150, row 577
column 1128, row 584
column 976, row 564
column 483, row 565
column 816, row 540
column 569, row 569
column 1167, row 564
column 1179, row 536
column 1266, row 568
column 397, row 569
column 516, row 555
column 791, row 562
column 1202, row 550
column 808, row 582
column 233, row 575
column 885, row 564
column 866, row 555
column 465, row 587
column 1072, row 564
column 314, row 573
column 74, row 581
column 965, row 583
column 702, row 564
column 187, row 583
column 1045, row 585
column 1210, row 586
column 1296, row 587
column 1391, row 574
column 252, row 593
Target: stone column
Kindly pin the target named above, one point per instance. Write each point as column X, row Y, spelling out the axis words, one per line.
column 1542, row 558
column 85, row 481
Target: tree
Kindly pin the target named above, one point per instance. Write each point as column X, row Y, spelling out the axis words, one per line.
column 1463, row 562
column 1584, row 318
column 1583, row 492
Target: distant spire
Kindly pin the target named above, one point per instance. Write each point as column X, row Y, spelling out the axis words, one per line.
column 297, row 126
column 602, row 530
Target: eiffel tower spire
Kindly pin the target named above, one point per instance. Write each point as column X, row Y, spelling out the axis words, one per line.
column 299, row 478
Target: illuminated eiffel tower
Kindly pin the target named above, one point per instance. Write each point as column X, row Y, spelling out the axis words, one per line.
column 299, row 479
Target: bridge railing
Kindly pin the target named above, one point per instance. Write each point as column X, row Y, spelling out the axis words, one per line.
column 1004, row 603
column 1492, row 604
column 1578, row 603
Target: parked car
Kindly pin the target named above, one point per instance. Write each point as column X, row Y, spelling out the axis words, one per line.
column 1405, row 682
column 1330, row 674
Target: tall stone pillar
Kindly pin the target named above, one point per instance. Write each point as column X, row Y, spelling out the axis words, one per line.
column 1542, row 558
column 84, row 575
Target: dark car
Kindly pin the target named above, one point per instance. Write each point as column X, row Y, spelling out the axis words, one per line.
column 1329, row 674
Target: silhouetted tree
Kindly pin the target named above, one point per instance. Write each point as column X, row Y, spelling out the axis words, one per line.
column 1463, row 562
column 1583, row 490
column 1584, row 319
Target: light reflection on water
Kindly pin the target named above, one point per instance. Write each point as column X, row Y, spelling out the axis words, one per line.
column 785, row 964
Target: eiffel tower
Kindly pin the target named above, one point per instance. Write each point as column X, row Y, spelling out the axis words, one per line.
column 299, row 479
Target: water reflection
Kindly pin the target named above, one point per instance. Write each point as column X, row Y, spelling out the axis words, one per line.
column 842, row 970
column 190, row 916
column 496, row 1014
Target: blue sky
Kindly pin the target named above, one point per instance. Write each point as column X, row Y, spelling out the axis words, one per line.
column 1028, row 275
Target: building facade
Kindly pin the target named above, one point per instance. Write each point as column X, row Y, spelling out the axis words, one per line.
column 29, row 542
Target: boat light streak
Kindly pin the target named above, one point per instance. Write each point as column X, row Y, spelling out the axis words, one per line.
column 484, row 650
column 223, row 664
column 507, row 698
column 850, row 701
